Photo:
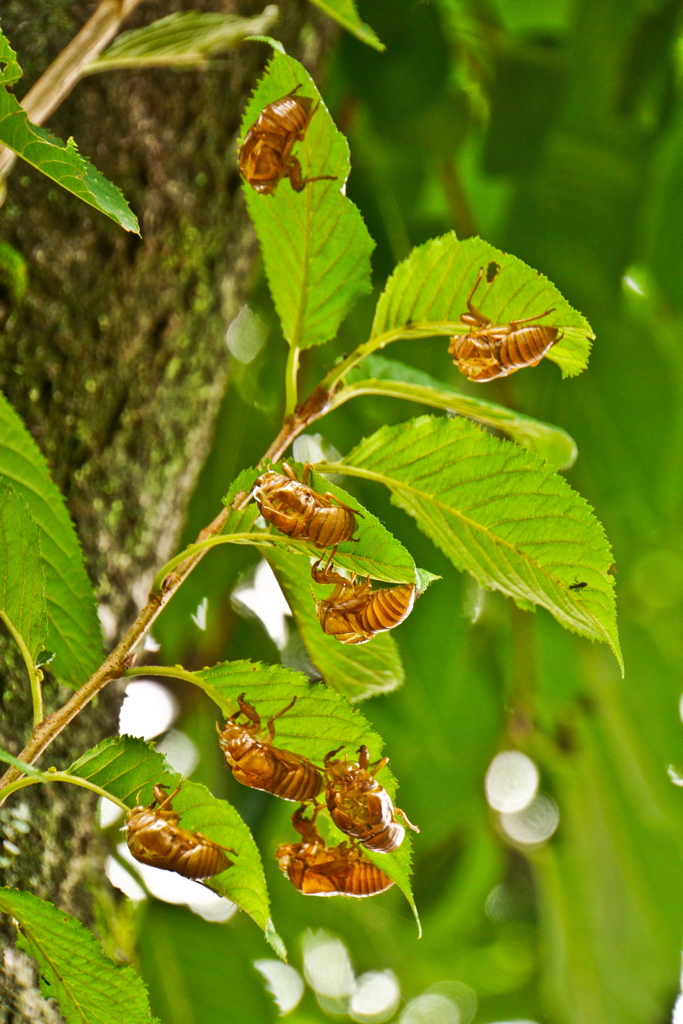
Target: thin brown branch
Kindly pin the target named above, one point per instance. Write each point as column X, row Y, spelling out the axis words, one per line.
column 121, row 657
column 65, row 72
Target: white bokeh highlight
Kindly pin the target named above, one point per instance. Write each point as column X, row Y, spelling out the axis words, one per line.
column 535, row 824
column 677, row 1015
column 171, row 887
column 431, row 1008
column 264, row 599
column 511, row 781
column 312, row 448
column 199, row 617
column 122, row 879
column 180, row 752
column 284, row 983
column 148, row 709
column 327, row 966
column 375, row 998
column 246, row 335
column 107, row 812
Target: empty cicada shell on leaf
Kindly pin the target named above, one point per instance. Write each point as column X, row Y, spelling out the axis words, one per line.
column 255, row 762
column 154, row 837
column 320, row 870
column 496, row 350
column 354, row 612
column 266, row 153
column 359, row 806
column 296, row 510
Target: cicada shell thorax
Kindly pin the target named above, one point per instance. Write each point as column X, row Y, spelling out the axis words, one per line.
column 154, row 837
column 266, row 154
column 257, row 763
column 354, row 613
column 360, row 807
column 296, row 510
column 496, row 350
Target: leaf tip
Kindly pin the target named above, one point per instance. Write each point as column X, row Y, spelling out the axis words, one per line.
column 275, row 941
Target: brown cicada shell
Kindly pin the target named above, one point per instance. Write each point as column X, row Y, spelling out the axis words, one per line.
column 266, row 153
column 255, row 762
column 319, row 870
column 297, row 510
column 354, row 612
column 154, row 837
column 496, row 350
column 359, row 806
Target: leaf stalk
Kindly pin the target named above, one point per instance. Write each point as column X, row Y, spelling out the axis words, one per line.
column 34, row 674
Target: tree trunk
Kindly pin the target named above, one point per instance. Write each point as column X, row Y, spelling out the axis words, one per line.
column 117, row 362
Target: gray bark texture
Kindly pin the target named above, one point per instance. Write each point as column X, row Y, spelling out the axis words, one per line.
column 116, row 360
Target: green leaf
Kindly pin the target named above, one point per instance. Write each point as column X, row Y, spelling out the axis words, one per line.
column 315, row 246
column 182, row 40
column 376, row 553
column 126, row 766
column 346, row 13
column 22, row 574
column 73, row 627
column 89, row 988
column 319, row 721
column 428, row 291
column 500, row 513
column 356, row 670
column 48, row 154
column 379, row 376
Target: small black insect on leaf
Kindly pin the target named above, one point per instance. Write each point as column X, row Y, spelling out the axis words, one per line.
column 577, row 585
column 492, row 271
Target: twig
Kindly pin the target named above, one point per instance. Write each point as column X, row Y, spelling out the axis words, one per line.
column 65, row 72
column 121, row 658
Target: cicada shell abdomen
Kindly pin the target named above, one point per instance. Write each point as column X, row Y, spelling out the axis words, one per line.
column 366, row 879
column 256, row 763
column 388, row 608
column 496, row 350
column 296, row 510
column 155, row 838
column 265, row 155
column 316, row 869
column 354, row 613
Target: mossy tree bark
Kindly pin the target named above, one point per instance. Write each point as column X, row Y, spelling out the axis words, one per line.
column 117, row 362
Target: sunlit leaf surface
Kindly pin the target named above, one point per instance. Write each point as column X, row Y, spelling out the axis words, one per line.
column 73, row 627
column 186, row 39
column 346, row 13
column 315, row 246
column 88, row 987
column 22, row 574
column 427, row 293
column 48, row 154
column 501, row 514
column 127, row 767
column 379, row 376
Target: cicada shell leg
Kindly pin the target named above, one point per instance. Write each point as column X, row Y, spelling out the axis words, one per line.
column 397, row 810
column 516, row 324
column 270, row 726
column 293, row 172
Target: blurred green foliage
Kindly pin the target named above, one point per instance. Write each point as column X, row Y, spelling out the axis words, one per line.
column 554, row 128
